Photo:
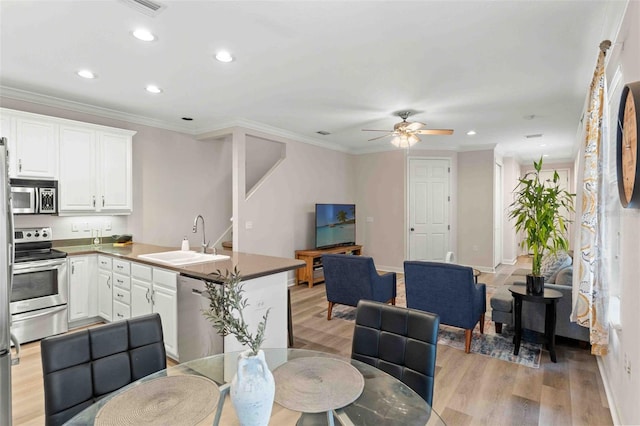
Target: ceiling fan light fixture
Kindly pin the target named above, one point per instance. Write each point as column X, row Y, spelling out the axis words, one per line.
column 405, row 140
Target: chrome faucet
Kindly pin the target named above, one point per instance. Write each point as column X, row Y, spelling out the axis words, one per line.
column 205, row 243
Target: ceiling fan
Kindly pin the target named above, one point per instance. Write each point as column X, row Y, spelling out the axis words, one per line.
column 405, row 133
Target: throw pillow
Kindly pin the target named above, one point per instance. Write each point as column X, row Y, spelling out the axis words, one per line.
column 551, row 265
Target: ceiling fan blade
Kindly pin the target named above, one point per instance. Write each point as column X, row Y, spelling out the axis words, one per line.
column 435, row 132
column 413, row 126
column 371, row 130
column 380, row 137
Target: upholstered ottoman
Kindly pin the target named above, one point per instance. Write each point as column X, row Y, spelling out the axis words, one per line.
column 501, row 307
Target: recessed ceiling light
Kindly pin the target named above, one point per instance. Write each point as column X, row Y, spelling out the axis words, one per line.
column 543, row 144
column 144, row 35
column 153, row 89
column 545, row 155
column 86, row 74
column 224, row 56
column 471, row 132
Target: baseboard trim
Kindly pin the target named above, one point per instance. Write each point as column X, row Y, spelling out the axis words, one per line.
column 390, row 269
column 510, row 261
column 613, row 408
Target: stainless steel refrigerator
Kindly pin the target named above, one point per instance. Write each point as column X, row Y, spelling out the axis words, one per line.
column 6, row 274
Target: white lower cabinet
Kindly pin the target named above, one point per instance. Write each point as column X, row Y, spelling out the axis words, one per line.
column 114, row 290
column 105, row 292
column 155, row 290
column 83, row 291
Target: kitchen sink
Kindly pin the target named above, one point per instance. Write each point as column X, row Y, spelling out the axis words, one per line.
column 182, row 258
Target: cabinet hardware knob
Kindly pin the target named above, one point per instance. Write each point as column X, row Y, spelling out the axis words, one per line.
column 103, row 201
column 19, row 164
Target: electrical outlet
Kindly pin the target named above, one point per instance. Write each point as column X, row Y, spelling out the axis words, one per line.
column 369, row 219
column 475, row 248
column 74, row 227
column 85, row 227
column 248, row 225
column 107, row 226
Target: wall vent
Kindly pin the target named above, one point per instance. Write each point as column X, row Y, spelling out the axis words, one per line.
column 533, row 136
column 148, row 7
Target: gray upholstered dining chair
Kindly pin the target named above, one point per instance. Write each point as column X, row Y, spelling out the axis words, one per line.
column 349, row 278
column 82, row 367
column 399, row 341
column 447, row 290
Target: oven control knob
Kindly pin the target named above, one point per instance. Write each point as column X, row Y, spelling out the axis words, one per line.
column 44, row 235
column 36, row 235
column 28, row 234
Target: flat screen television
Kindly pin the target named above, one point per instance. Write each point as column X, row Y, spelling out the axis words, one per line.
column 335, row 225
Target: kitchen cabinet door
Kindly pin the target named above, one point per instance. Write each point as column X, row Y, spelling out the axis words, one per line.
column 115, row 173
column 36, row 149
column 78, row 288
column 140, row 297
column 165, row 302
column 77, row 181
column 105, row 295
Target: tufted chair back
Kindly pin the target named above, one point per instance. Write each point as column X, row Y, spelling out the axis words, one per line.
column 399, row 341
column 80, row 368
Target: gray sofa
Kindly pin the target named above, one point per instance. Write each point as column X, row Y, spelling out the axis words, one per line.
column 533, row 313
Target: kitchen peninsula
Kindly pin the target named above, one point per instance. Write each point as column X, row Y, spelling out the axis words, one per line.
column 113, row 283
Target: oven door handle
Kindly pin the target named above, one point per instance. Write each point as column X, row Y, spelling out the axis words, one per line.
column 40, row 267
column 41, row 314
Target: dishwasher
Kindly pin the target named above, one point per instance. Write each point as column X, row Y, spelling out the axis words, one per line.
column 196, row 336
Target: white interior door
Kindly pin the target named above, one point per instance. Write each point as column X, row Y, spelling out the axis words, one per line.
column 428, row 209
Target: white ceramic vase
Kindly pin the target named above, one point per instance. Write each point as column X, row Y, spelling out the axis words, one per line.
column 252, row 390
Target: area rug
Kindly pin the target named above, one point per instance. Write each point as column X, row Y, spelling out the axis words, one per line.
column 498, row 346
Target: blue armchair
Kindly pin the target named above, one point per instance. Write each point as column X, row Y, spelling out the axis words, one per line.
column 449, row 291
column 349, row 278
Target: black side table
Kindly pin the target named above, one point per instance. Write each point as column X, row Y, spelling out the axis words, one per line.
column 550, row 299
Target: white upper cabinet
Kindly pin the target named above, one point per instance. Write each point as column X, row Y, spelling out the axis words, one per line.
column 92, row 163
column 115, row 172
column 33, row 144
column 95, row 170
column 77, row 182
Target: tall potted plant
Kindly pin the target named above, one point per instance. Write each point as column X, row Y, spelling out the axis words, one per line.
column 539, row 210
column 253, row 387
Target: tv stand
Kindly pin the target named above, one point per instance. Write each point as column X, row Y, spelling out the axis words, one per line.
column 313, row 260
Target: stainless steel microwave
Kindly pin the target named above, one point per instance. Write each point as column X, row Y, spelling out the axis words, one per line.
column 30, row 196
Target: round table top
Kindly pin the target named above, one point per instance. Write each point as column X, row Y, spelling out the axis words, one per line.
column 548, row 293
column 384, row 399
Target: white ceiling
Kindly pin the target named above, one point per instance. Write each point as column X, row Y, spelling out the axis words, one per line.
column 302, row 67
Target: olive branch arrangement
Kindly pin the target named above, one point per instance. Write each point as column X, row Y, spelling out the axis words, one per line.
column 226, row 305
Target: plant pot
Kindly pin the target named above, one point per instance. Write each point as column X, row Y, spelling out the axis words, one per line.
column 535, row 284
column 253, row 390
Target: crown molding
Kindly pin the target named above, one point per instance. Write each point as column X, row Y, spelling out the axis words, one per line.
column 248, row 126
column 52, row 101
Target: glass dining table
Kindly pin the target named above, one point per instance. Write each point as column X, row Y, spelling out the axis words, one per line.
column 384, row 400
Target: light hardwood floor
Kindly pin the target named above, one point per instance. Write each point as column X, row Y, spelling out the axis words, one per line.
column 470, row 389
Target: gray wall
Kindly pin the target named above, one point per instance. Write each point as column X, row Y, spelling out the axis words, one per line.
column 475, row 208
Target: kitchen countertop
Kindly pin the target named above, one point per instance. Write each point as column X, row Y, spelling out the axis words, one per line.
column 250, row 265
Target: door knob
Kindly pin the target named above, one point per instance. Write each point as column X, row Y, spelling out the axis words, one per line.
column 412, row 229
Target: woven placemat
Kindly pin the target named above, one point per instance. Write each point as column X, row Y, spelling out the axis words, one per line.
column 172, row 400
column 317, row 384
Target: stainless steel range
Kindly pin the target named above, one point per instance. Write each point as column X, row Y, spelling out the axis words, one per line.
column 39, row 294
